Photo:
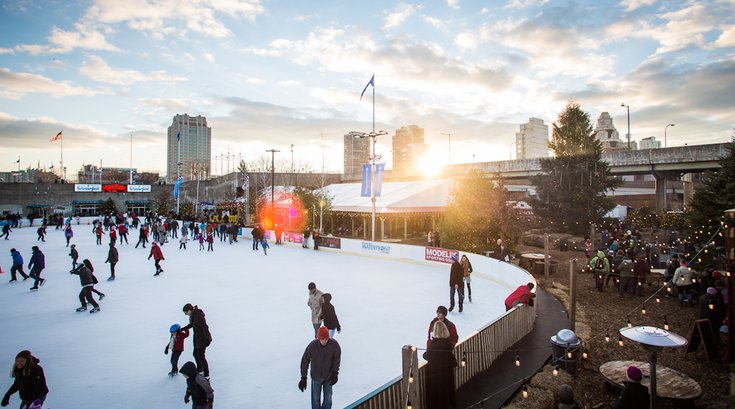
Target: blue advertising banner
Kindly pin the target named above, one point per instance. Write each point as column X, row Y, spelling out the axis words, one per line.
column 366, row 179
column 379, row 172
column 177, row 186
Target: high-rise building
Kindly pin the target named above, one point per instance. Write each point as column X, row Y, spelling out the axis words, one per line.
column 189, row 145
column 649, row 143
column 606, row 133
column 532, row 141
column 356, row 153
column 408, row 149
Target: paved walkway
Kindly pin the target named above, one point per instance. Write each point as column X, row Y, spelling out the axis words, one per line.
column 501, row 381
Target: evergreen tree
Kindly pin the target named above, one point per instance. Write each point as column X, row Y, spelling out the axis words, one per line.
column 108, row 206
column 478, row 214
column 707, row 207
column 571, row 188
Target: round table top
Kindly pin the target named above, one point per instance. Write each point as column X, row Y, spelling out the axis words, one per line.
column 533, row 256
column 670, row 384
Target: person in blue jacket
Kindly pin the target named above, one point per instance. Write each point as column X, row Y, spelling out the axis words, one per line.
column 17, row 266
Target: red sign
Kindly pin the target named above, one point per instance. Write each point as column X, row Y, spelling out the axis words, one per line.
column 115, row 188
column 438, row 254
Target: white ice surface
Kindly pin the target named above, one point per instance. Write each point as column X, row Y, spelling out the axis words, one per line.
column 256, row 309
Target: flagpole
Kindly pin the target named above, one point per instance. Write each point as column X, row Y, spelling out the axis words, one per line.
column 62, row 157
column 372, row 168
column 131, row 158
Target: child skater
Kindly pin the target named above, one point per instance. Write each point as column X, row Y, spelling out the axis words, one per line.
column 74, row 254
column 198, row 388
column 184, row 238
column 200, row 239
column 264, row 244
column 176, row 345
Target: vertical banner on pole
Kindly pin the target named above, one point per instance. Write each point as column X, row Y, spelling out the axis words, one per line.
column 379, row 172
column 366, row 180
column 177, row 186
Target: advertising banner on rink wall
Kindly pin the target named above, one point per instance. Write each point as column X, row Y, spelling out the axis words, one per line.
column 439, row 254
column 87, row 187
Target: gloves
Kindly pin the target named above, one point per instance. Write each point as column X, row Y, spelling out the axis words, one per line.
column 6, row 401
column 339, row 329
column 186, row 397
column 210, row 404
column 165, row 351
column 302, row 384
column 335, row 377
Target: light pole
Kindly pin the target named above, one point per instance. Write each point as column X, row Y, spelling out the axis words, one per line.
column 665, row 132
column 321, row 213
column 627, row 106
column 449, row 143
column 511, row 150
column 273, row 173
column 373, row 158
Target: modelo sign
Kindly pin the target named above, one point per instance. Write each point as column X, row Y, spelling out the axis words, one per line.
column 82, row 187
column 441, row 255
column 139, row 188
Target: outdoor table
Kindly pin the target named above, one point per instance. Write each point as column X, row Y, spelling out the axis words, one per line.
column 528, row 260
column 670, row 384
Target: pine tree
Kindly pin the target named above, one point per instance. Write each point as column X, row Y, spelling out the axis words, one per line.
column 707, row 207
column 571, row 188
column 478, row 214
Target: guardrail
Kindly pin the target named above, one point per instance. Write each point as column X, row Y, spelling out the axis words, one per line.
column 482, row 349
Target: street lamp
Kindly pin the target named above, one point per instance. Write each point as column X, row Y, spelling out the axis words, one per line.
column 373, row 158
column 627, row 106
column 273, row 171
column 449, row 136
column 665, row 132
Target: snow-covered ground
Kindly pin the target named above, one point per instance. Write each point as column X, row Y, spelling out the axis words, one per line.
column 256, row 309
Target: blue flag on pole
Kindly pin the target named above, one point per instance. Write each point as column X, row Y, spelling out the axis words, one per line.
column 371, row 82
column 177, row 186
column 379, row 172
column 178, row 136
column 366, row 179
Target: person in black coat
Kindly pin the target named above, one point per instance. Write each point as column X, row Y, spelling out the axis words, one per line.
column 198, row 388
column 440, row 369
column 29, row 381
column 634, row 395
column 202, row 337
column 86, row 278
column 329, row 315
column 36, row 265
column 456, row 282
column 112, row 258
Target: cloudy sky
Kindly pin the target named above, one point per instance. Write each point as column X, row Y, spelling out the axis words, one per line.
column 269, row 73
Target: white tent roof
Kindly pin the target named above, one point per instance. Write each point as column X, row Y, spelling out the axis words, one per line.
column 396, row 197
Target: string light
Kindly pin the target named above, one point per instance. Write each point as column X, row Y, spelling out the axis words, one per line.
column 410, row 376
column 555, row 371
column 569, row 355
column 525, row 391
column 584, row 354
column 658, row 300
column 711, row 306
column 518, row 360
column 620, row 341
column 666, row 324
column 408, row 405
column 643, row 311
column 607, row 337
column 630, row 324
column 464, row 359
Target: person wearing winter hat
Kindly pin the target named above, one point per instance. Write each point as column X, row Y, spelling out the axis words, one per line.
column 315, row 303
column 202, row 337
column 456, row 282
column 157, row 255
column 323, row 355
column 441, row 315
column 30, row 381
column 74, row 254
column 634, row 395
column 198, row 388
column 17, row 266
column 329, row 315
column 712, row 307
column 36, row 265
column 566, row 398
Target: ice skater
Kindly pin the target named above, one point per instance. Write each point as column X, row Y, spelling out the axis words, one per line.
column 176, row 345
column 198, row 388
column 85, row 296
column 17, row 265
column 112, row 257
column 329, row 315
column 210, row 242
column 74, row 254
column 202, row 337
column 6, row 231
column 41, row 233
column 99, row 232
column 157, row 255
column 182, row 241
column 29, row 381
column 264, row 244
column 68, row 234
column 36, row 265
column 200, row 239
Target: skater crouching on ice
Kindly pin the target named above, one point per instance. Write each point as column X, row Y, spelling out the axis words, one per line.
column 29, row 381
column 157, row 255
column 86, row 278
column 176, row 345
column 198, row 388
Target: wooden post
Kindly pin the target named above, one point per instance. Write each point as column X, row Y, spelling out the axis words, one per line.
column 546, row 257
column 593, row 241
column 405, row 228
column 410, row 367
column 572, row 294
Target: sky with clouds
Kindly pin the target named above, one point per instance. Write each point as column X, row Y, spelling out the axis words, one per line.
column 269, row 74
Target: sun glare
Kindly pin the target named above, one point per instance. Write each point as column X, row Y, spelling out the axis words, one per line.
column 430, row 165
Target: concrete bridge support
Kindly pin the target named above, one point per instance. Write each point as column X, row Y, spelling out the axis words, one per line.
column 662, row 189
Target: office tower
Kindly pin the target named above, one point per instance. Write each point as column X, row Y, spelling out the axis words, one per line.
column 649, row 143
column 532, row 140
column 194, row 148
column 356, row 153
column 408, row 149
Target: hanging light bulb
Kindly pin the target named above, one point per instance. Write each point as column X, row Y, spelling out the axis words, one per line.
column 525, row 391
column 630, row 324
column 711, row 306
column 408, row 405
column 413, row 348
column 410, row 376
column 555, row 371
column 658, row 300
column 643, row 311
column 569, row 354
column 666, row 324
column 584, row 354
column 620, row 341
column 518, row 360
column 464, row 359
column 607, row 338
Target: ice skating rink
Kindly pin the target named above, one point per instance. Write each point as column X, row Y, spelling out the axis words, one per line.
column 255, row 306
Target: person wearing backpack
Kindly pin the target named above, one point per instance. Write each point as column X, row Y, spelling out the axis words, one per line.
column 600, row 267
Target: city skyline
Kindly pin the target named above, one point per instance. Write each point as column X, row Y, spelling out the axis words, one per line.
column 268, row 75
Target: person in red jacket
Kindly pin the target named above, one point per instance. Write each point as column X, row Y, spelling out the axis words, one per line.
column 441, row 315
column 157, row 255
column 522, row 295
column 176, row 345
